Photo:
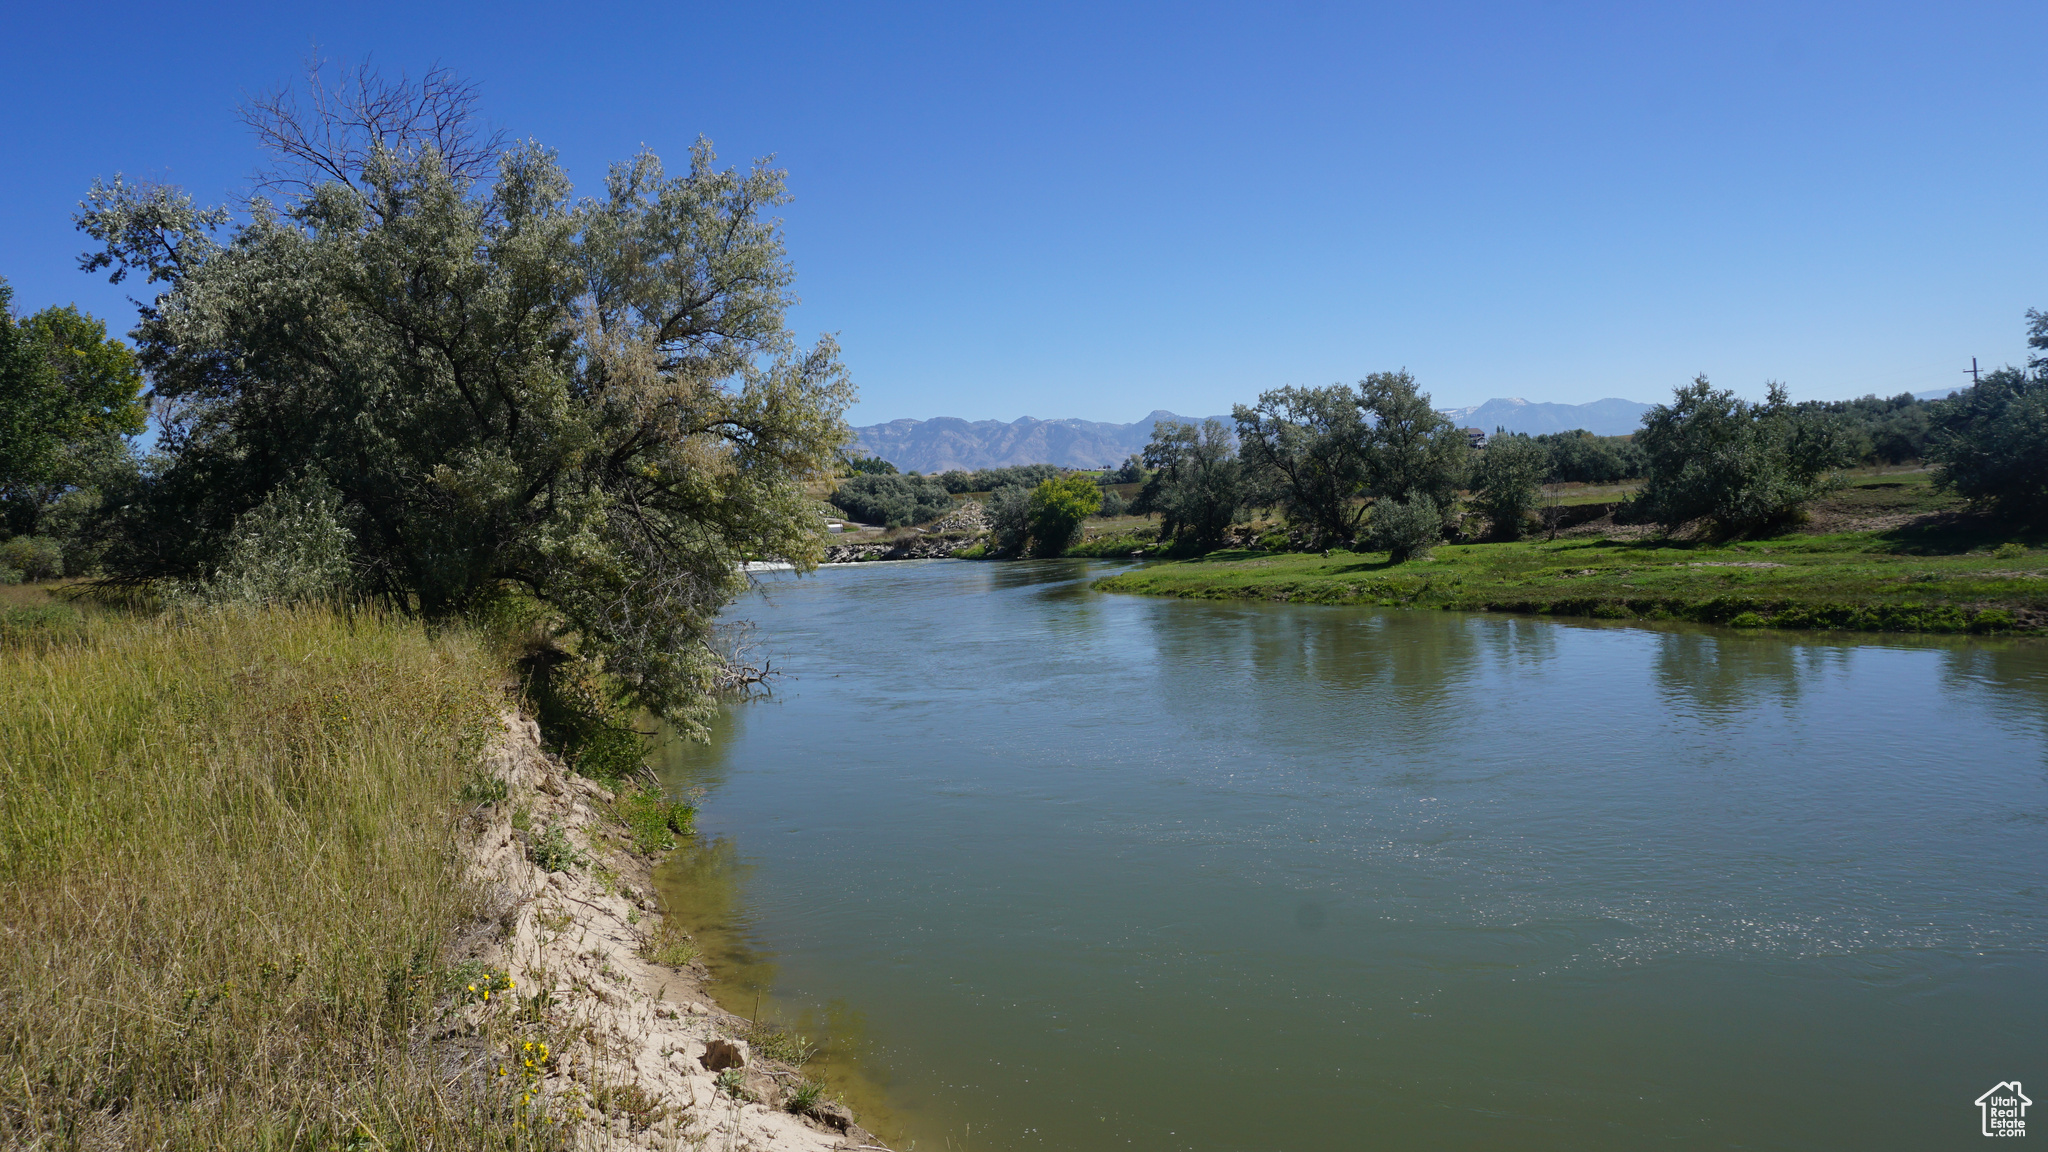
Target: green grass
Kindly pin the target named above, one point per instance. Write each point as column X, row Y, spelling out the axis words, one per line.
column 1955, row 576
column 228, row 879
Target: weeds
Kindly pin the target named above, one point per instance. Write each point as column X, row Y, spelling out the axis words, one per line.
column 777, row 1043
column 227, row 875
column 670, row 949
column 551, row 851
column 483, row 788
column 804, row 1096
column 653, row 820
column 733, row 1082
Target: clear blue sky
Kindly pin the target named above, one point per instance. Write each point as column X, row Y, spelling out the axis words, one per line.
column 1096, row 210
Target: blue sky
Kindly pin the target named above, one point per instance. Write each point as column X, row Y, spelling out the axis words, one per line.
column 1096, row 210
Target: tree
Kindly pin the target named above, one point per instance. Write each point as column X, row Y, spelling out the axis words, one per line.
column 1413, row 449
column 1309, row 448
column 1746, row 467
column 1009, row 519
column 1506, row 481
column 30, row 401
column 69, row 399
column 1991, row 442
column 1055, row 511
column 592, row 405
column 1196, row 485
column 868, row 466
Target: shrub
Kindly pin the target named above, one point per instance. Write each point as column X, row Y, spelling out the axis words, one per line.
column 1055, row 511
column 291, row 549
column 33, row 557
column 892, row 500
column 1009, row 519
column 653, row 819
column 1743, row 466
column 1991, row 442
column 1113, row 503
column 1405, row 529
column 990, row 479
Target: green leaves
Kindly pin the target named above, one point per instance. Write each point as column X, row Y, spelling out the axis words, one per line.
column 1711, row 455
column 1056, row 509
column 593, row 404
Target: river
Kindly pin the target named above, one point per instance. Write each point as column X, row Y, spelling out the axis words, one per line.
column 1050, row 868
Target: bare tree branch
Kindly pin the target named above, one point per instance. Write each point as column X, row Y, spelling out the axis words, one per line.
column 320, row 132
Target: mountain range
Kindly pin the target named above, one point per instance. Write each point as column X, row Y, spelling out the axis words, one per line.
column 946, row 443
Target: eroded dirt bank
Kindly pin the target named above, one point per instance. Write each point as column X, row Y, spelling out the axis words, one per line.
column 571, row 1006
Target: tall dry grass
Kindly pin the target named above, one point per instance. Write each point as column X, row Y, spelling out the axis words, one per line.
column 227, row 880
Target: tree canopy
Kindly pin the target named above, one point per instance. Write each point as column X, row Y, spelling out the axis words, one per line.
column 1991, row 441
column 69, row 397
column 592, row 403
column 1712, row 455
column 1307, row 447
column 1196, row 483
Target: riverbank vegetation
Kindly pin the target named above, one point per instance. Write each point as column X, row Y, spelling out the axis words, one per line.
column 1370, row 481
column 413, row 395
column 1926, row 565
column 228, row 878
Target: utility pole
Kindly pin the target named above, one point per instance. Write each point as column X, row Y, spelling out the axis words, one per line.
column 1973, row 370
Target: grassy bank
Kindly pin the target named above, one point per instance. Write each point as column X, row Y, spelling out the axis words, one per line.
column 1931, row 575
column 227, row 877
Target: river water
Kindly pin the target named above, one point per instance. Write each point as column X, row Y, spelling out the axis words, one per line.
column 1051, row 868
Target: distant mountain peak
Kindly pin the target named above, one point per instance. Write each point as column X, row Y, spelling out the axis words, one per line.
column 944, row 443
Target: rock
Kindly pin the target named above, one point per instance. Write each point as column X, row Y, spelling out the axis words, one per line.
column 722, row 1054
column 550, row 785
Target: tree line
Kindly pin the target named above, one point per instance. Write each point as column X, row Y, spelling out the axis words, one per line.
column 1375, row 466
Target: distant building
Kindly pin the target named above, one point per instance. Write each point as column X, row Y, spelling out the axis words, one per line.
column 1475, row 437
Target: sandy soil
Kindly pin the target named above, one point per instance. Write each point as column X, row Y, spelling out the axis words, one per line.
column 626, row 1064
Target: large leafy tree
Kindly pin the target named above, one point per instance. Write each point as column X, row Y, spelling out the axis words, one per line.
column 1308, row 447
column 594, row 405
column 1413, row 450
column 1196, row 484
column 1991, row 442
column 1745, row 467
column 69, row 398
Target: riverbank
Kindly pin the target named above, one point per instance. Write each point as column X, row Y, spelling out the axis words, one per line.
column 1873, row 558
column 601, row 1010
column 297, row 878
